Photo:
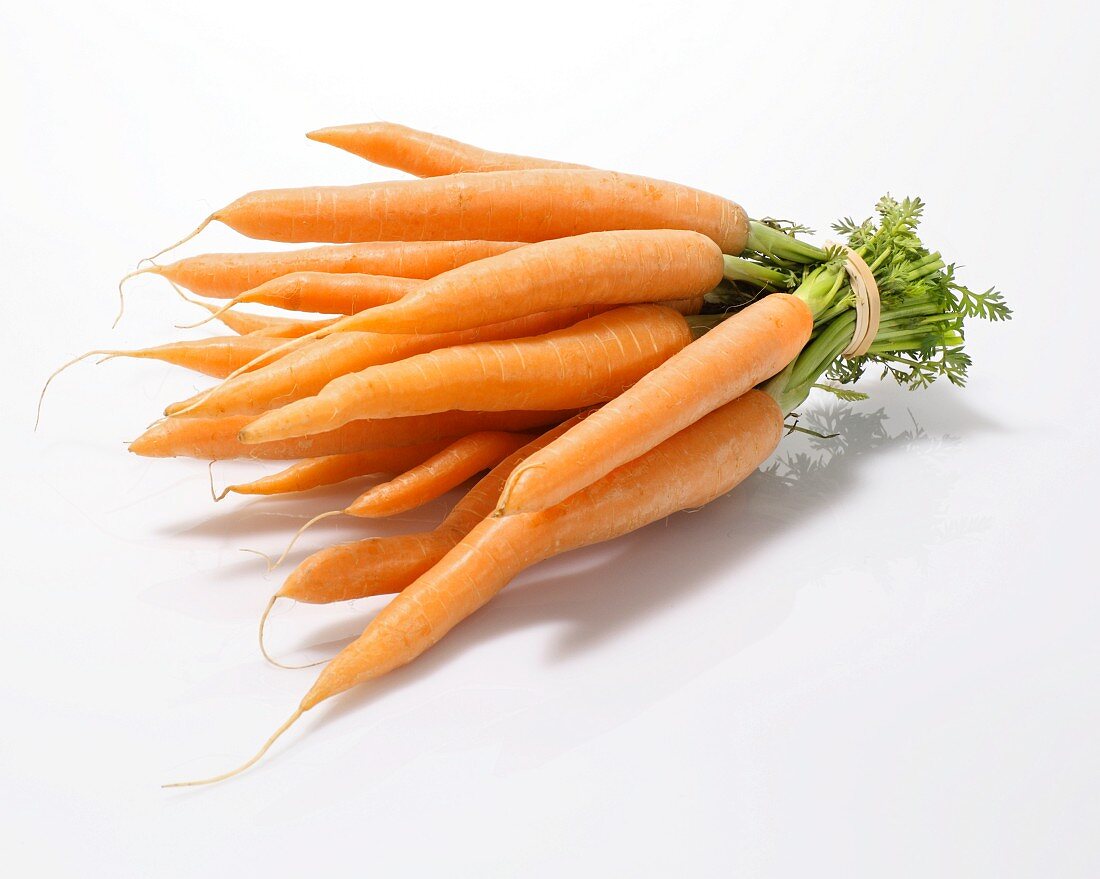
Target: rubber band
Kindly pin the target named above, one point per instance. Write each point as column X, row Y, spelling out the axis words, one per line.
column 868, row 304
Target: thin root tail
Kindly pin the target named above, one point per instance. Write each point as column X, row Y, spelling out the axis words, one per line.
column 42, row 396
column 122, row 296
column 214, row 314
column 184, row 239
column 263, row 750
column 263, row 646
column 299, row 533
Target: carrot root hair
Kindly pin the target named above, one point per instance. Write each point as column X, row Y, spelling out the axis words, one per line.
column 122, row 296
column 141, row 271
column 107, row 355
column 213, row 492
column 214, row 315
column 263, row 646
column 183, row 240
column 271, row 566
column 252, row 761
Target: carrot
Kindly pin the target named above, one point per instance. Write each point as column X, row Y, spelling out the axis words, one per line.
column 604, row 268
column 305, row 372
column 379, row 565
column 333, row 469
column 739, row 353
column 325, row 292
column 425, row 482
column 244, row 323
column 435, row 476
column 531, row 205
column 224, row 275
column 601, row 268
column 215, row 438
column 422, row 153
column 688, row 470
column 292, row 329
column 589, row 362
column 217, row 356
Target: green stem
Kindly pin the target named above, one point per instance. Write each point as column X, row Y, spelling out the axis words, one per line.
column 778, row 245
column 736, row 269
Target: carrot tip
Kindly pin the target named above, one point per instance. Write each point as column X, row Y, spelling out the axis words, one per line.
column 122, row 296
column 62, row 368
column 294, row 539
column 263, row 750
column 263, row 646
column 263, row 555
column 214, row 494
column 184, row 239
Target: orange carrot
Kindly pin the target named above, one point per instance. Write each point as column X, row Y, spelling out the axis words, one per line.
column 596, row 269
column 215, row 438
column 739, row 353
column 531, row 205
column 425, row 482
column 292, row 329
column 601, row 268
column 379, row 565
column 422, row 153
column 326, row 292
column 333, row 469
column 243, row 323
column 224, row 275
column 587, row 363
column 688, row 470
column 435, row 476
column 217, row 356
column 305, row 372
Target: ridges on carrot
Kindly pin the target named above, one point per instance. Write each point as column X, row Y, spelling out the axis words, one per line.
column 527, row 205
column 571, row 368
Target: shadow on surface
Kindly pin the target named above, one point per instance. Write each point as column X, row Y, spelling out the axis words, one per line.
column 601, row 597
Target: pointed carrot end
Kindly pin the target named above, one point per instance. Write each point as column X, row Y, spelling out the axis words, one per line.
column 333, row 135
column 263, row 750
column 148, row 445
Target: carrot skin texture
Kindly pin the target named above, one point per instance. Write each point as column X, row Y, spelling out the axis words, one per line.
column 584, row 364
column 333, row 469
column 216, row 356
column 688, row 470
column 274, row 326
column 295, row 329
column 308, row 370
column 738, row 354
column 362, row 568
column 215, row 438
column 380, row 565
column 531, row 205
column 225, row 275
column 421, row 153
column 434, row 476
column 608, row 268
column 330, row 292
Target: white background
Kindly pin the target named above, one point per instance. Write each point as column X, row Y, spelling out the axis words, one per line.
column 885, row 667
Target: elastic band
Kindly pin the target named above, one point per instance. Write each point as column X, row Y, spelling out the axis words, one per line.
column 868, row 305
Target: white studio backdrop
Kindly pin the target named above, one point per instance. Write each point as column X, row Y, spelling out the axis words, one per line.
column 879, row 658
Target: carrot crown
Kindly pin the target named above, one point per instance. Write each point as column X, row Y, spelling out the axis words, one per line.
column 924, row 308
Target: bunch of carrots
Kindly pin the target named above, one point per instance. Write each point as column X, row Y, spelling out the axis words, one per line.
column 607, row 349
